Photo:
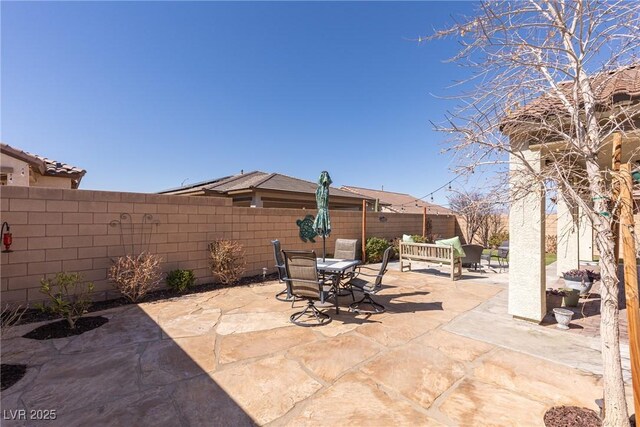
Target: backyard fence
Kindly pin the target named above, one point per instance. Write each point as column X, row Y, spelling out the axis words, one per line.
column 56, row 230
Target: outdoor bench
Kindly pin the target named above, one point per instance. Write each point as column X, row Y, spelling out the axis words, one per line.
column 430, row 252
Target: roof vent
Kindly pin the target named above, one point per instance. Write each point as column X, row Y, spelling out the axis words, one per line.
column 58, row 164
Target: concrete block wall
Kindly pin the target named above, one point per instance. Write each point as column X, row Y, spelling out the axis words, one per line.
column 57, row 230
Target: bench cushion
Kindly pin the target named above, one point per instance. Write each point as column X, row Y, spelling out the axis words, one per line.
column 455, row 242
column 407, row 238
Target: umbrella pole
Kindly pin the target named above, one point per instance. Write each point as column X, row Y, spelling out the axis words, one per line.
column 324, row 248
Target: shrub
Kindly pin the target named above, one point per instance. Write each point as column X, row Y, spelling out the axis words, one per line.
column 419, row 239
column 375, row 248
column 67, row 296
column 497, row 238
column 551, row 244
column 180, row 280
column 134, row 276
column 227, row 261
column 9, row 317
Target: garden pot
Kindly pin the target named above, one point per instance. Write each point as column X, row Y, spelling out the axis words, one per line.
column 563, row 317
column 571, row 297
column 581, row 286
column 553, row 301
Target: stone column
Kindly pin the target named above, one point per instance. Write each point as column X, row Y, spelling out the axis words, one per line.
column 568, row 227
column 526, row 239
column 585, row 237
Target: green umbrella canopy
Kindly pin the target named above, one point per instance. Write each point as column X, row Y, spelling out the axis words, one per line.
column 322, row 223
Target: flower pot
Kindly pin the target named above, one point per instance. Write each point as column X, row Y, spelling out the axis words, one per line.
column 563, row 317
column 578, row 284
column 553, row 301
column 571, row 297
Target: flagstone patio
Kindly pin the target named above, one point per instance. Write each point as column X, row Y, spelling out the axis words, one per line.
column 438, row 356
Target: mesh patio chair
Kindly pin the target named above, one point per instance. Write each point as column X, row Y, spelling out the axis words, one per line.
column 303, row 282
column 347, row 249
column 369, row 281
column 473, row 254
column 277, row 253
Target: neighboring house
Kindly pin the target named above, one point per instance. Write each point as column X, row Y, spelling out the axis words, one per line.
column 388, row 201
column 30, row 170
column 269, row 190
column 527, row 274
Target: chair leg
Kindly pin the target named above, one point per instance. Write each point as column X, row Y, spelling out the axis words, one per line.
column 367, row 300
column 288, row 298
column 310, row 309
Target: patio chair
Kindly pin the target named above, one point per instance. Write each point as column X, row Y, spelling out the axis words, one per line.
column 302, row 279
column 473, row 254
column 369, row 281
column 501, row 254
column 347, row 249
column 277, row 253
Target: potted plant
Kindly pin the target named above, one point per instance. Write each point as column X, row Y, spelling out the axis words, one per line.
column 554, row 298
column 563, row 317
column 581, row 280
column 570, row 297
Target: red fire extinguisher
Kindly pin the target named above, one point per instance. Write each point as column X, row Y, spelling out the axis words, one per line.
column 7, row 239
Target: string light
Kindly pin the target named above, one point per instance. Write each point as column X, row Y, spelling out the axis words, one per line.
column 430, row 195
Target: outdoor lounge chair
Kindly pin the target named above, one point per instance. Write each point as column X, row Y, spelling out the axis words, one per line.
column 369, row 281
column 473, row 254
column 303, row 282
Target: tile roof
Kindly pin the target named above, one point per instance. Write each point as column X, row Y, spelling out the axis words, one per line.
column 260, row 180
column 44, row 165
column 609, row 88
column 399, row 202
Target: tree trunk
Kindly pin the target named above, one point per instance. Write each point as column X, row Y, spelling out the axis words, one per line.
column 616, row 414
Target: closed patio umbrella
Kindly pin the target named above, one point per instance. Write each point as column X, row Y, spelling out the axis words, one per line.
column 322, row 223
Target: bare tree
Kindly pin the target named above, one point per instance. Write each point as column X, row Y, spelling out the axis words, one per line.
column 474, row 209
column 492, row 225
column 553, row 73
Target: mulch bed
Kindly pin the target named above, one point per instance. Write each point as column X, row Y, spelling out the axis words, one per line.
column 61, row 329
column 36, row 315
column 11, row 374
column 571, row 416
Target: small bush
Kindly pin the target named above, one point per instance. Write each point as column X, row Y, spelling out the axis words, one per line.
column 227, row 261
column 180, row 280
column 67, row 296
column 134, row 276
column 496, row 239
column 419, row 239
column 375, row 248
column 551, row 244
column 9, row 317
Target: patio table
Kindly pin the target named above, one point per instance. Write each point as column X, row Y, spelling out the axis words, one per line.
column 336, row 268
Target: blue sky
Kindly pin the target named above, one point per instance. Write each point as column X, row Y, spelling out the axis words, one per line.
column 147, row 95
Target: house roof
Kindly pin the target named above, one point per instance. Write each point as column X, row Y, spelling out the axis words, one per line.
column 44, row 165
column 259, row 180
column 609, row 88
column 399, row 202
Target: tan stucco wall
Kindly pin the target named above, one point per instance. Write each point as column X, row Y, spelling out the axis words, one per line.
column 58, row 230
column 50, row 181
column 20, row 175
